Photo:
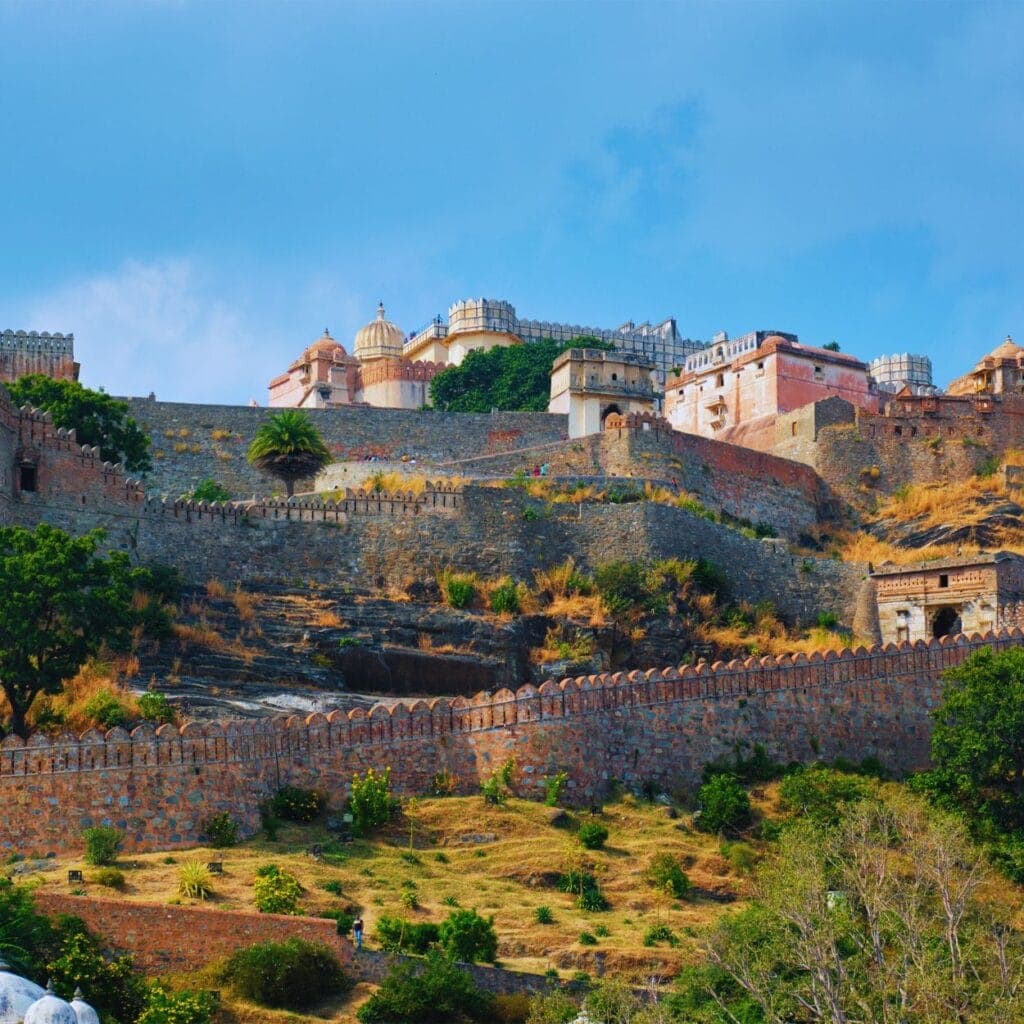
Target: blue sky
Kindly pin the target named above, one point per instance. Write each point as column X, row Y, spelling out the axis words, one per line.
column 197, row 189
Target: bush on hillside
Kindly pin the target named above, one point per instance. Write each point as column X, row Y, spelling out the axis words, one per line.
column 820, row 794
column 666, row 873
column 276, row 891
column 431, row 992
column 221, row 830
column 185, row 1007
column 115, row 989
column 592, row 835
column 102, row 845
column 399, row 935
column 292, row 803
column 291, row 975
column 724, row 804
column 371, row 803
column 466, row 936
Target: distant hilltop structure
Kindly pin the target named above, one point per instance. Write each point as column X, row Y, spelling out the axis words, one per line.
column 388, row 369
column 25, row 352
column 894, row 373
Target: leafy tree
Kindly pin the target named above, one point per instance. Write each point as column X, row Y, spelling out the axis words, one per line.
column 821, row 793
column 724, row 804
column 431, row 992
column 115, row 990
column 877, row 919
column 978, row 739
column 468, row 937
column 96, row 418
column 59, row 604
column 515, row 378
column 289, row 447
column 292, row 975
column 25, row 935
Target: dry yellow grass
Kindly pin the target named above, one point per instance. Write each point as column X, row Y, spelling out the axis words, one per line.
column 214, row 588
column 509, row 876
column 245, row 604
column 201, row 634
column 327, row 618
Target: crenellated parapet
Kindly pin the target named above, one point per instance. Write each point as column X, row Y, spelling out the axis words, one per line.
column 381, row 371
column 383, row 726
column 439, row 497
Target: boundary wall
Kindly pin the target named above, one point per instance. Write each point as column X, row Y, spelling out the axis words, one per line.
column 158, row 785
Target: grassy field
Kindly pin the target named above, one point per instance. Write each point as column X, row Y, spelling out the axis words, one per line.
column 499, row 860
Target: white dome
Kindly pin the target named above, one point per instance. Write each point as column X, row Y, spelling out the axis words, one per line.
column 83, row 1011
column 379, row 339
column 50, row 1009
column 17, row 994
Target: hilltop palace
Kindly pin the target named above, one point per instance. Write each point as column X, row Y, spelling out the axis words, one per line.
column 728, row 389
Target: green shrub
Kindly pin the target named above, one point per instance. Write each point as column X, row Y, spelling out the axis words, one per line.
column 112, row 878
column 468, row 937
column 724, row 804
column 409, row 899
column 660, row 933
column 505, row 598
column 166, row 1007
column 592, row 835
column 430, row 992
column 102, row 844
column 115, row 989
column 221, row 830
column 827, row 620
column 587, row 939
column 208, row 490
column 584, row 887
column 543, row 915
column 820, row 794
column 291, row 803
column 622, row 586
column 459, row 591
column 666, row 873
column 276, row 891
column 496, row 789
column 290, row 975
column 742, row 856
column 105, row 709
column 194, row 880
column 601, row 931
column 399, row 935
column 343, row 920
column 333, row 886
column 155, row 707
column 183, row 1007
column 371, row 803
column 554, row 787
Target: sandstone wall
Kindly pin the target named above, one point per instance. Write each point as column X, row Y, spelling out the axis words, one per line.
column 663, row 726
column 193, row 442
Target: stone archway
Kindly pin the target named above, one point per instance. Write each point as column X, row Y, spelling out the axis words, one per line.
column 946, row 622
column 608, row 410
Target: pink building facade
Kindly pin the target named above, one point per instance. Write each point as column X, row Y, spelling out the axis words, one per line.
column 734, row 389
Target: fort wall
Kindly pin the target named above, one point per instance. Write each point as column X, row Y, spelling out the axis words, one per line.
column 661, row 726
column 193, row 442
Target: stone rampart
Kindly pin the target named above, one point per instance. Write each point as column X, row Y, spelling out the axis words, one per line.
column 193, row 442
column 662, row 726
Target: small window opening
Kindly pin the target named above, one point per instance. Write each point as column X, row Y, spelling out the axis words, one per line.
column 898, row 431
column 720, row 380
column 793, row 428
column 943, row 580
column 27, row 479
column 615, row 376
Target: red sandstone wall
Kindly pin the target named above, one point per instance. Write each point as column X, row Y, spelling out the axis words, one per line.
column 165, row 939
column 659, row 725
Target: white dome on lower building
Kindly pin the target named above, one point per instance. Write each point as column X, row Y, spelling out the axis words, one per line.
column 17, row 994
column 83, row 1011
column 50, row 1009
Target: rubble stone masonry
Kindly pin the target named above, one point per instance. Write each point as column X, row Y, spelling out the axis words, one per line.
column 662, row 726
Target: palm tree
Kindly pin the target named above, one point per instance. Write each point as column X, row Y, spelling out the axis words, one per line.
column 289, row 447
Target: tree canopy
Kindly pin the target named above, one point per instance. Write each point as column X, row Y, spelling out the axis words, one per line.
column 96, row 418
column 514, row 379
column 978, row 739
column 288, row 447
column 60, row 603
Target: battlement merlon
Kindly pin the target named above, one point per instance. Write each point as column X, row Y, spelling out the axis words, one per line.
column 37, row 341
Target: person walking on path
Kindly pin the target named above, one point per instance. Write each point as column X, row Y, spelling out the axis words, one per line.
column 357, row 933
